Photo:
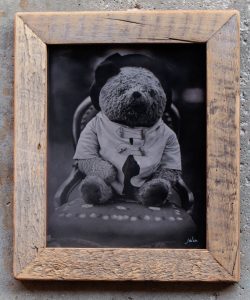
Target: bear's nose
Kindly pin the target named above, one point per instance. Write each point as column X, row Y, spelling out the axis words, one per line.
column 136, row 95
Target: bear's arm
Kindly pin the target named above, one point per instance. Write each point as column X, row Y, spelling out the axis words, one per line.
column 88, row 158
column 170, row 165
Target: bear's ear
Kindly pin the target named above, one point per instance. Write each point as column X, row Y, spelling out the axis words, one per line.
column 104, row 71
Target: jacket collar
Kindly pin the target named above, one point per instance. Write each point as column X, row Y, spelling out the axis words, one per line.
column 127, row 132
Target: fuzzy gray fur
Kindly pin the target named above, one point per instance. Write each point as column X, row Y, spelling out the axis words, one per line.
column 116, row 101
column 171, row 175
column 95, row 190
column 154, row 192
column 97, row 167
column 116, row 97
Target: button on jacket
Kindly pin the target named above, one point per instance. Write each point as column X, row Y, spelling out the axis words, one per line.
column 151, row 147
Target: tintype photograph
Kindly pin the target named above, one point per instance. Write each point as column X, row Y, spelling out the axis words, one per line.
column 126, row 160
column 127, row 146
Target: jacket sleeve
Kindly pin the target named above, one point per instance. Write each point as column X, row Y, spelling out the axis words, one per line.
column 87, row 145
column 171, row 158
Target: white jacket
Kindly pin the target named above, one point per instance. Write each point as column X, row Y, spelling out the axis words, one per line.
column 151, row 147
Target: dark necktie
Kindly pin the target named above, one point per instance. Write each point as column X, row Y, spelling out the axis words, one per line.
column 130, row 169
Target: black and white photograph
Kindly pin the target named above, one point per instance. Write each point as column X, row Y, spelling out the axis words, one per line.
column 126, row 157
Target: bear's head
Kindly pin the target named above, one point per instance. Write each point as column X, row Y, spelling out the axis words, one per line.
column 129, row 95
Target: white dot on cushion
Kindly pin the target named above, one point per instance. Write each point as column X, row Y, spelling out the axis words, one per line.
column 133, row 219
column 147, row 218
column 179, row 218
column 82, row 216
column 68, row 215
column 177, row 212
column 121, row 207
column 61, row 215
column 157, row 219
column 105, row 217
column 154, row 208
column 114, row 217
column 93, row 215
column 171, row 218
column 125, row 217
column 87, row 205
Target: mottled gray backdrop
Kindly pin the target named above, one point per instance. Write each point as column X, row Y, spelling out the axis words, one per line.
column 12, row 289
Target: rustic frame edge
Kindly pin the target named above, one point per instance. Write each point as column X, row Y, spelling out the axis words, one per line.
column 24, row 270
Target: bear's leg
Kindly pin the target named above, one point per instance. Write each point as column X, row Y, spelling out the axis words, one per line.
column 154, row 192
column 94, row 190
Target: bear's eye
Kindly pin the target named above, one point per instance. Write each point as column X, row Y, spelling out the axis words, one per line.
column 152, row 93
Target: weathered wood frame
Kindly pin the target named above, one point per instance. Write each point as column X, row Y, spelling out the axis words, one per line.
column 220, row 31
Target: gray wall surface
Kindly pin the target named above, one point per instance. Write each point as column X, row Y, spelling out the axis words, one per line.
column 12, row 289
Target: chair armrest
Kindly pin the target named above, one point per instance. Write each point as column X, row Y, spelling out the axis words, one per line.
column 83, row 114
column 187, row 197
column 67, row 186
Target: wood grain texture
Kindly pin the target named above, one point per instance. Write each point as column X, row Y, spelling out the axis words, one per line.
column 223, row 145
column 32, row 260
column 126, row 27
column 29, row 146
column 125, row 264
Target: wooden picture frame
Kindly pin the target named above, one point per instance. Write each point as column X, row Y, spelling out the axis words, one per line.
column 33, row 32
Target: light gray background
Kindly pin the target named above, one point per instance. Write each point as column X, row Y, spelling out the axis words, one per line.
column 12, row 289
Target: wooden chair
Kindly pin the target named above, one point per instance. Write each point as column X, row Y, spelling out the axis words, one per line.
column 122, row 222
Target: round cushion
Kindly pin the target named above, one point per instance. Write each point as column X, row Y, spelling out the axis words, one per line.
column 119, row 224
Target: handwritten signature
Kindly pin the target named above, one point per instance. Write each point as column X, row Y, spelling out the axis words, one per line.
column 191, row 241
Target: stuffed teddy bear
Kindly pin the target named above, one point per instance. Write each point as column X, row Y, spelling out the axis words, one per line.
column 127, row 149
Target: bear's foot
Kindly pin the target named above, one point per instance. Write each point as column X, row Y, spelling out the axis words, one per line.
column 94, row 190
column 154, row 192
